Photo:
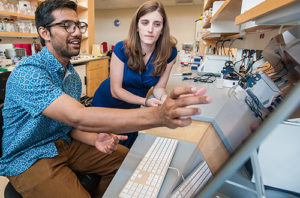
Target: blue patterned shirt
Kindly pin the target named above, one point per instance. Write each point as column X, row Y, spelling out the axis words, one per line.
column 29, row 135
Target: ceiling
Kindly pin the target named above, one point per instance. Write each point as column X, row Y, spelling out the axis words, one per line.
column 116, row 4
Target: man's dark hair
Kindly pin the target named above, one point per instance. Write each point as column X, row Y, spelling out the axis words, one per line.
column 43, row 13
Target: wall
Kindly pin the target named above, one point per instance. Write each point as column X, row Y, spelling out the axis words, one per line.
column 181, row 19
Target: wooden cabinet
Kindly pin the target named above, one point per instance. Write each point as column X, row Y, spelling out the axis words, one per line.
column 96, row 72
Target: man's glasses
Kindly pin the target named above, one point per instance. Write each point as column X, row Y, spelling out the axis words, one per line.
column 70, row 26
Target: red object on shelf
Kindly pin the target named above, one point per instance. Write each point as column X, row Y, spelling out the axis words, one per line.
column 186, row 63
column 104, row 46
column 25, row 46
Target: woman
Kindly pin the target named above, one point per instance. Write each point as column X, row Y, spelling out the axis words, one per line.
column 142, row 61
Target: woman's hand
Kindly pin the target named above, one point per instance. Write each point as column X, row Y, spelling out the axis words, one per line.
column 107, row 142
column 152, row 102
column 163, row 98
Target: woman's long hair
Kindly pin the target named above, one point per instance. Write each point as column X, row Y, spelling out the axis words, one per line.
column 164, row 44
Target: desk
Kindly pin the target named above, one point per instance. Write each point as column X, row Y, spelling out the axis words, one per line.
column 216, row 132
column 220, row 128
column 229, row 116
column 186, row 157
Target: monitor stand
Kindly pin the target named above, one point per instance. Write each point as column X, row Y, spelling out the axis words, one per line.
column 260, row 189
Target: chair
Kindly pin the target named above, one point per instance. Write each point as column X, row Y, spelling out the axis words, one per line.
column 88, row 181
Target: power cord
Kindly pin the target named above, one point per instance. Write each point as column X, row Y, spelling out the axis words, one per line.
column 205, row 78
column 253, row 104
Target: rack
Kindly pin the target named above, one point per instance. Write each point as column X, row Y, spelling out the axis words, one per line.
column 207, row 4
column 228, row 11
column 261, row 9
column 229, row 23
column 15, row 15
column 18, row 34
column 84, row 13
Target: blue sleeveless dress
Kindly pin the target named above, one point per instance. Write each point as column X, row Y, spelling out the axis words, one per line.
column 137, row 84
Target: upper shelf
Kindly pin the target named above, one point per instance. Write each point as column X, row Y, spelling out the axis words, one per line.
column 207, row 5
column 215, row 36
column 19, row 34
column 15, row 15
column 262, row 9
column 206, row 23
column 79, row 7
column 228, row 11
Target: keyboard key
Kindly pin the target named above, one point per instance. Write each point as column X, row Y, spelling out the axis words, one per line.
column 148, row 177
column 194, row 182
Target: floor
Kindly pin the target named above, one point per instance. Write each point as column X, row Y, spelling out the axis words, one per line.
column 3, row 182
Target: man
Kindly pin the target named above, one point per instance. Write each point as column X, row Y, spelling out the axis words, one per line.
column 42, row 111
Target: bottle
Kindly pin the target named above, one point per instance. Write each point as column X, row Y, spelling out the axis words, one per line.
column 2, row 58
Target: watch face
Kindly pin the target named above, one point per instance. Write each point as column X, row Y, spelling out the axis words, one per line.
column 116, row 22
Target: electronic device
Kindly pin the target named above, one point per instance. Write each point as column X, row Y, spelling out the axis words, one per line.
column 288, row 106
column 264, row 89
column 194, row 182
column 15, row 52
column 230, row 78
column 148, row 177
column 187, row 46
column 212, row 64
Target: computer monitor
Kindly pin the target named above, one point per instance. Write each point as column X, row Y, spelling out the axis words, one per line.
column 290, row 103
column 187, row 46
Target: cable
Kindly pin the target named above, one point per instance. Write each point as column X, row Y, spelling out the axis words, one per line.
column 253, row 104
column 206, row 78
column 178, row 172
column 223, row 46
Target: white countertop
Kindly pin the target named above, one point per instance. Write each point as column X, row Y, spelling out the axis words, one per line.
column 74, row 62
column 230, row 117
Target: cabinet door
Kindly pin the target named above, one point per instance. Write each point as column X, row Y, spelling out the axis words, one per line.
column 97, row 71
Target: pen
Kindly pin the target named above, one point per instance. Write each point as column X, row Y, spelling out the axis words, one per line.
column 183, row 74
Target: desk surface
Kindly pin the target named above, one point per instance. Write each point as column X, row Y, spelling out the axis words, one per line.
column 74, row 62
column 186, row 157
column 228, row 116
column 231, row 117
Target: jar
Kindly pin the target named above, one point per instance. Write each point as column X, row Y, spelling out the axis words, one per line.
column 5, row 23
column 2, row 25
column 1, row 5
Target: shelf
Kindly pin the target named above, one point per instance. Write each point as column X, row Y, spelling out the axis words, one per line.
column 210, row 36
column 208, row 4
column 18, row 34
column 79, row 7
column 16, row 15
column 215, row 36
column 233, row 36
column 206, row 23
column 261, row 28
column 261, row 9
column 228, row 11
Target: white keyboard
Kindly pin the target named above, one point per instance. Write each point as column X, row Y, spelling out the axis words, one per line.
column 149, row 175
column 194, row 182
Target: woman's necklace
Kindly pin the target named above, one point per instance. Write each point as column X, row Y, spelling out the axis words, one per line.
column 148, row 51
